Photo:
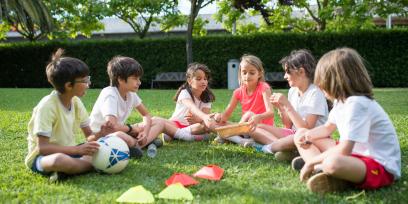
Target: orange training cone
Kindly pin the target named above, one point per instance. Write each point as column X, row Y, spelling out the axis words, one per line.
column 184, row 179
column 210, row 172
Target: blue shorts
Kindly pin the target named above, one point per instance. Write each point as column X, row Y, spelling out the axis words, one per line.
column 34, row 166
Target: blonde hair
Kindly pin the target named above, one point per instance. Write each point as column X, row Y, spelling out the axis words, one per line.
column 341, row 73
column 254, row 61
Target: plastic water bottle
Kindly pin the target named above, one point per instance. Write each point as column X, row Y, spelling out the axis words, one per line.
column 151, row 150
column 258, row 147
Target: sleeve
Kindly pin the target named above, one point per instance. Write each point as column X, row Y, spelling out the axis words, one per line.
column 206, row 105
column 136, row 100
column 44, row 119
column 264, row 86
column 184, row 95
column 82, row 114
column 290, row 95
column 237, row 94
column 357, row 122
column 317, row 104
column 109, row 106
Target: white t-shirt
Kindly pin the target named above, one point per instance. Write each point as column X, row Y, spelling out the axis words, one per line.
column 110, row 102
column 312, row 102
column 363, row 121
column 182, row 110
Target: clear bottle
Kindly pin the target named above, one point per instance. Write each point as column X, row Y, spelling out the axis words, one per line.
column 151, row 150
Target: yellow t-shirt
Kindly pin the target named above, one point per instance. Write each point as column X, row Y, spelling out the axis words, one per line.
column 51, row 119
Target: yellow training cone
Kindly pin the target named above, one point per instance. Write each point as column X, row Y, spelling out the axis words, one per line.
column 176, row 192
column 136, row 194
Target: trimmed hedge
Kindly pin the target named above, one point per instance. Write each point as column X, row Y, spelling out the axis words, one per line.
column 23, row 64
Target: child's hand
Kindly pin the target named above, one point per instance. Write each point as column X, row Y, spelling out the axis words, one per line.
column 88, row 148
column 209, row 122
column 136, row 130
column 304, row 141
column 253, row 121
column 191, row 118
column 140, row 136
column 306, row 172
column 107, row 128
column 278, row 99
column 218, row 117
column 246, row 116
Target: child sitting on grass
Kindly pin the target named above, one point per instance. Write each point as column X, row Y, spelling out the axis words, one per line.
column 253, row 96
column 368, row 154
column 51, row 137
column 191, row 117
column 116, row 102
column 305, row 106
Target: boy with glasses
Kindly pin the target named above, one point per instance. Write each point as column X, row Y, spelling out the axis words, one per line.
column 51, row 131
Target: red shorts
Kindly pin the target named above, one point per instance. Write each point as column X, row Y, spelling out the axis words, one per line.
column 179, row 125
column 376, row 175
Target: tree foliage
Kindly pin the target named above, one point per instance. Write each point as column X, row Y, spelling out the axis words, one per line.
column 76, row 17
column 305, row 15
column 29, row 18
column 4, row 28
column 67, row 18
column 141, row 14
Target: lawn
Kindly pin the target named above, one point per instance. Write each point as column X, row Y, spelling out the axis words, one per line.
column 249, row 177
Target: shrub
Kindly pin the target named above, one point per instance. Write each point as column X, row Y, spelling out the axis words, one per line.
column 23, row 64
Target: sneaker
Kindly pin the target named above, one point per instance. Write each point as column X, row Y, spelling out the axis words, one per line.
column 135, row 153
column 251, row 143
column 57, row 176
column 218, row 140
column 286, row 155
column 204, row 137
column 167, row 138
column 247, row 143
column 267, row 149
column 158, row 142
column 298, row 163
column 322, row 183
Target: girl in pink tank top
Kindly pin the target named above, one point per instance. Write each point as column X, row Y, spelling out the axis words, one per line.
column 253, row 95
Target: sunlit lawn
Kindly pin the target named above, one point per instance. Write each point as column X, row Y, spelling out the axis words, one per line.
column 250, row 177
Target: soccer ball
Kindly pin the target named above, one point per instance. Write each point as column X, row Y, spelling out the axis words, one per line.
column 112, row 156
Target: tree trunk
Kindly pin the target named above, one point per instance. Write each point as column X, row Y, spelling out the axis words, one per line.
column 189, row 41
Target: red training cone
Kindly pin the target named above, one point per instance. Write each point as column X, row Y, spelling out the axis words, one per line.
column 210, row 172
column 184, row 179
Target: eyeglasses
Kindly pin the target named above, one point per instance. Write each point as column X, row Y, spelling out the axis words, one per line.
column 289, row 71
column 86, row 80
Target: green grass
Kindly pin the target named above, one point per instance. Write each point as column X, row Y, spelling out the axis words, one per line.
column 249, row 177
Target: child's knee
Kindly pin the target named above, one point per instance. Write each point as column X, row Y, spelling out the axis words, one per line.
column 332, row 164
column 278, row 145
column 156, row 121
column 130, row 141
column 55, row 161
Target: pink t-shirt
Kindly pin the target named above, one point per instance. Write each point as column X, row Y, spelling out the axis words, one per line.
column 254, row 102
